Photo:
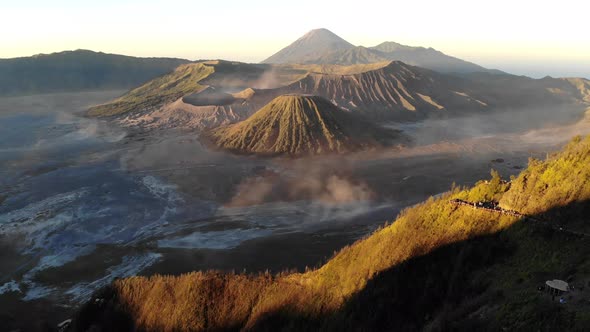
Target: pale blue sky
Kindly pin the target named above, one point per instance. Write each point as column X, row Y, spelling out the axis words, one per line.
column 524, row 37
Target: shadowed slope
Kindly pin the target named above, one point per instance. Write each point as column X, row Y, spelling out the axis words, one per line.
column 310, row 300
column 295, row 125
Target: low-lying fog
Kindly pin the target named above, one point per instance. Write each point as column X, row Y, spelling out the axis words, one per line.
column 83, row 201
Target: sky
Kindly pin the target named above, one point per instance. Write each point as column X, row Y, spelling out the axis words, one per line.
column 534, row 38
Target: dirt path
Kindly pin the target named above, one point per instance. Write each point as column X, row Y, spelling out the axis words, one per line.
column 492, row 207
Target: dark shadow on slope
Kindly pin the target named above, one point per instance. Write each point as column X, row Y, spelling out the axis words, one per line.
column 466, row 286
column 103, row 312
column 407, row 296
column 488, row 283
column 572, row 217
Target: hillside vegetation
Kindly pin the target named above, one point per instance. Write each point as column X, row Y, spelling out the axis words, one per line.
column 438, row 266
column 182, row 81
column 79, row 70
column 296, row 125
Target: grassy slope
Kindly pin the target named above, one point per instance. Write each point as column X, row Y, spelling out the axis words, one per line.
column 182, row 81
column 437, row 266
column 297, row 125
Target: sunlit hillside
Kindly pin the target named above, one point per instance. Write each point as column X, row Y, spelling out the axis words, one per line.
column 439, row 265
column 182, row 81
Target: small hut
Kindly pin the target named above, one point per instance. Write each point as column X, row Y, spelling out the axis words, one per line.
column 557, row 287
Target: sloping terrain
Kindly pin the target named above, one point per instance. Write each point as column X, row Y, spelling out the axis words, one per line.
column 170, row 96
column 390, row 51
column 438, row 266
column 426, row 58
column 583, row 87
column 79, row 70
column 195, row 111
column 158, row 92
column 518, row 92
column 206, row 102
column 322, row 46
column 351, row 56
column 296, row 125
column 383, row 90
column 309, row 47
column 396, row 90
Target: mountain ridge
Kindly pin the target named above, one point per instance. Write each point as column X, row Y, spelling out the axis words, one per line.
column 390, row 90
column 348, row 54
column 182, row 81
column 79, row 70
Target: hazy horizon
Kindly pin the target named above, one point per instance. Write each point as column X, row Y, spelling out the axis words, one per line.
column 525, row 38
column 307, row 182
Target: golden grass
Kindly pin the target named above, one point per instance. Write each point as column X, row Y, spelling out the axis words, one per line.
column 209, row 300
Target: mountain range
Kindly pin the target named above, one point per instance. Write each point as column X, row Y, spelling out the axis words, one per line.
column 82, row 70
column 469, row 259
column 78, row 71
column 385, row 90
column 321, row 46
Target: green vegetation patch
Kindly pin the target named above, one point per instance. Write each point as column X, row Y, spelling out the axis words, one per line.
column 162, row 90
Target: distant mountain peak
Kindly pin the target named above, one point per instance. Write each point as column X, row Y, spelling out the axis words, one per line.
column 321, row 32
column 322, row 46
column 79, row 70
column 311, row 45
column 326, row 37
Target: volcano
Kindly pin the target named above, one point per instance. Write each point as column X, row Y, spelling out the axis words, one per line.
column 300, row 125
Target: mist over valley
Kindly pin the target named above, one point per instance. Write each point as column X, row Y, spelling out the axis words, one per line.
column 275, row 170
